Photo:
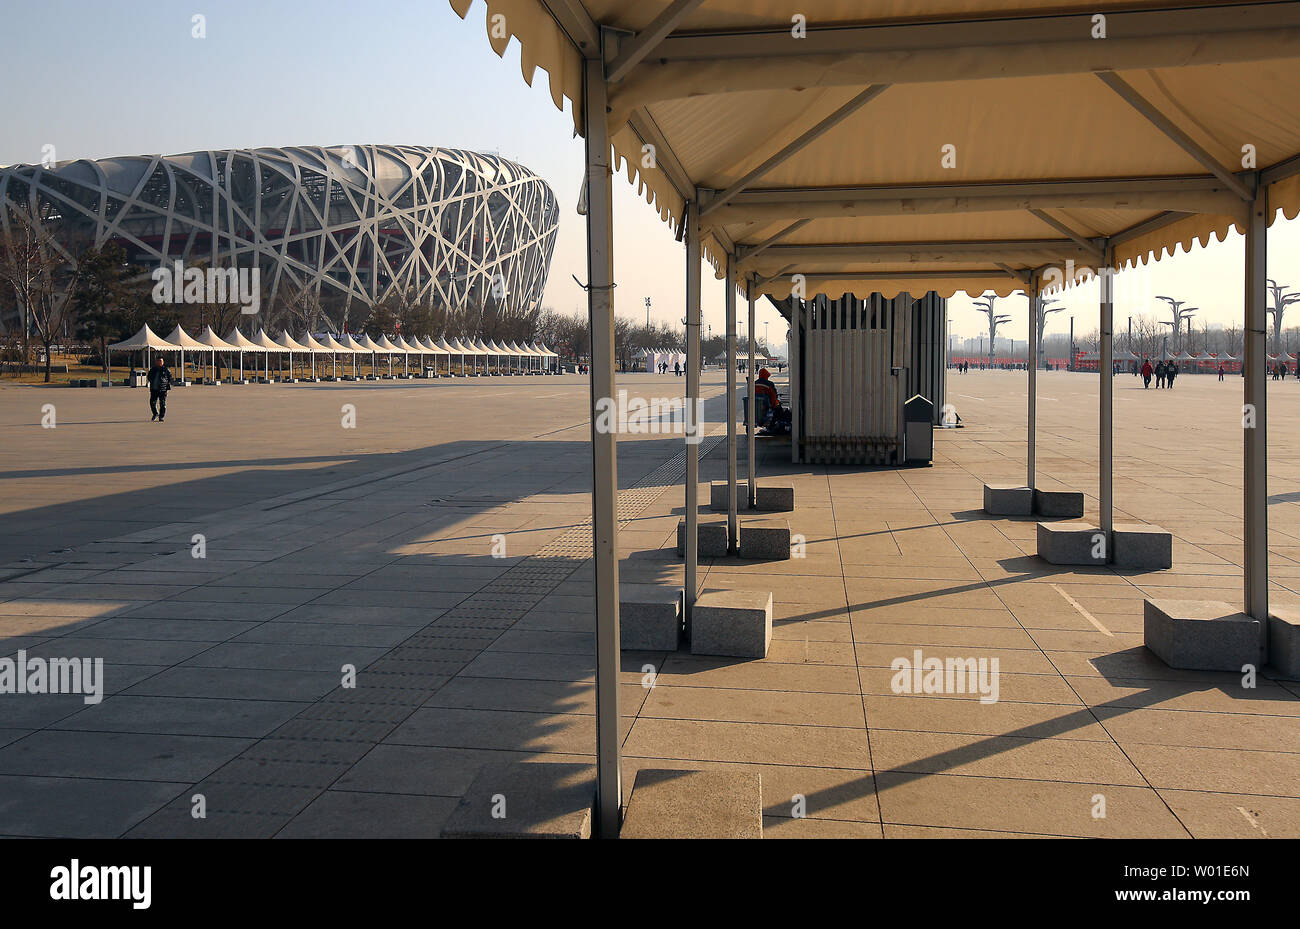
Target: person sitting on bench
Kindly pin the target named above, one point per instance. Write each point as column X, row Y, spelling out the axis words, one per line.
column 777, row 419
column 763, row 387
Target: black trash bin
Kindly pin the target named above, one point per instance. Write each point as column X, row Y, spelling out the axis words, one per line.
column 918, row 436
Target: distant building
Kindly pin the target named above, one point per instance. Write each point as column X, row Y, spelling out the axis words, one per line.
column 346, row 223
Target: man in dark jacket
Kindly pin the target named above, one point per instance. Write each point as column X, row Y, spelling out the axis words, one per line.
column 160, row 381
column 1171, row 372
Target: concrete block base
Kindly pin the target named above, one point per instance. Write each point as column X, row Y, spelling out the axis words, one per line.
column 732, row 623
column 669, row 804
column 1140, row 546
column 1284, row 641
column 771, row 498
column 1058, row 503
column 1200, row 635
column 1071, row 543
column 518, row 800
column 650, row 617
column 712, row 539
column 765, row 539
column 774, row 498
column 1008, row 500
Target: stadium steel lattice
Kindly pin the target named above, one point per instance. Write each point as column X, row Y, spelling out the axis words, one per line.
column 454, row 227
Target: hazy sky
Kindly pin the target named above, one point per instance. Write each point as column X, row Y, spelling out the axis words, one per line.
column 123, row 77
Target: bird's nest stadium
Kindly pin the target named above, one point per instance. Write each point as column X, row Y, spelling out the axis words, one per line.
column 341, row 223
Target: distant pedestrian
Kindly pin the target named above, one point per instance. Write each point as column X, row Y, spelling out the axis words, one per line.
column 1147, row 371
column 1160, row 374
column 1171, row 372
column 677, row 368
column 160, row 381
column 1220, row 372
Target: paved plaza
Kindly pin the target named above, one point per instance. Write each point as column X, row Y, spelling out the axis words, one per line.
column 381, row 610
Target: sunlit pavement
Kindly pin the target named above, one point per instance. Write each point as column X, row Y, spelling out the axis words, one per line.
column 437, row 549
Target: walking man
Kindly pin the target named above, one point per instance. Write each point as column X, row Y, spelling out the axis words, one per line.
column 1220, row 372
column 160, row 381
column 1146, row 373
column 1171, row 372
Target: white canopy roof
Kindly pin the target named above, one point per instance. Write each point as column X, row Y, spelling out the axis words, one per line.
column 214, row 341
column 334, row 345
column 286, row 340
column 238, row 340
column 266, row 343
column 355, row 344
column 411, row 348
column 145, row 338
column 383, row 343
column 310, row 341
column 888, row 149
column 182, row 339
column 430, row 346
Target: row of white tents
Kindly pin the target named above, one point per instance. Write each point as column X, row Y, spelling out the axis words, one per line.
column 482, row 357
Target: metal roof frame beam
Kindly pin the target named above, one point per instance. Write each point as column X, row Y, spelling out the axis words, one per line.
column 635, row 48
column 1204, row 193
column 789, row 151
column 1082, row 241
column 1180, row 138
column 998, row 46
column 961, row 250
column 750, row 251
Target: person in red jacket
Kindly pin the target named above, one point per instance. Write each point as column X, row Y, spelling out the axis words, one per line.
column 763, row 387
column 1147, row 371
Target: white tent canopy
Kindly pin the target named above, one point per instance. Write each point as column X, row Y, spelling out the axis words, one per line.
column 332, row 344
column 266, row 343
column 286, row 341
column 213, row 341
column 182, row 339
column 146, row 338
column 242, row 343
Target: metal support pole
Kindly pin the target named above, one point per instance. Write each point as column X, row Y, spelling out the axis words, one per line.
column 733, row 522
column 604, row 451
column 1032, row 364
column 796, row 371
column 1106, row 441
column 1254, row 417
column 749, row 420
column 692, row 396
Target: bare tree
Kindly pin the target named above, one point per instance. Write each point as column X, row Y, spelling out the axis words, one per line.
column 42, row 275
